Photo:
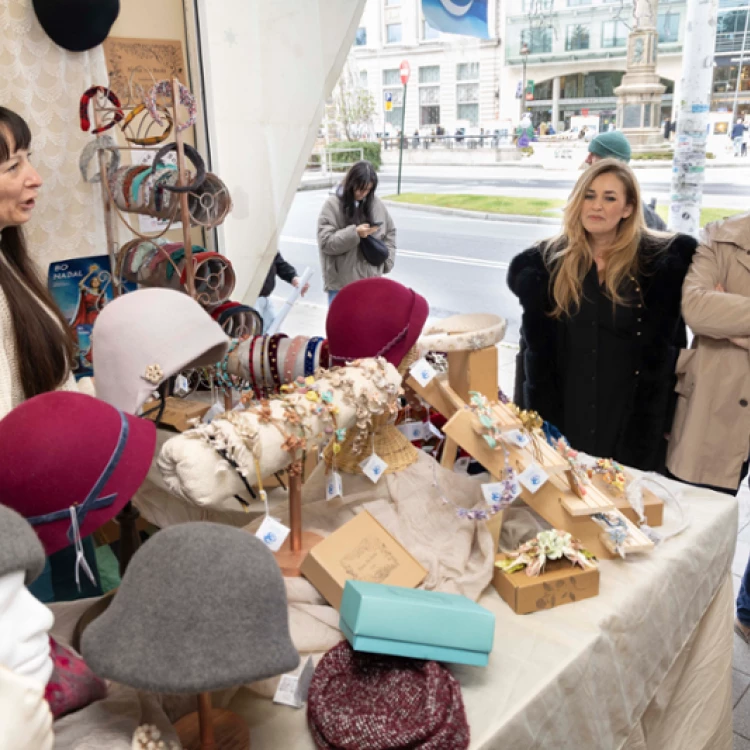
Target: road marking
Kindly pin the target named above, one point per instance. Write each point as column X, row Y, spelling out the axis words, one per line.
column 455, row 259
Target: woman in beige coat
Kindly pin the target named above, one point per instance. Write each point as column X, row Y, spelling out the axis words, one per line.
column 350, row 214
column 710, row 440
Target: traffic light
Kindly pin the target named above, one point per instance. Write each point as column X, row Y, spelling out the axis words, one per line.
column 529, row 91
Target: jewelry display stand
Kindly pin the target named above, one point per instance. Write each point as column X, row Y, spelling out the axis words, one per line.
column 130, row 540
column 556, row 501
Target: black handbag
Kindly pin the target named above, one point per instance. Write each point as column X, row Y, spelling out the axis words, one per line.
column 374, row 250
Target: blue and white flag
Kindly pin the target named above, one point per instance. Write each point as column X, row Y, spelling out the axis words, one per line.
column 467, row 17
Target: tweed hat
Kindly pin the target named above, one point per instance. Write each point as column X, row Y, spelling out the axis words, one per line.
column 371, row 702
column 374, row 318
column 77, row 25
column 20, row 548
column 202, row 606
column 612, row 145
column 143, row 338
column 65, row 452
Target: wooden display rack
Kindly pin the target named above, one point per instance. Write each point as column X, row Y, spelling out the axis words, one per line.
column 556, row 501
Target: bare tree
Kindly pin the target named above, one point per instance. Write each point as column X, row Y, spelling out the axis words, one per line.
column 355, row 105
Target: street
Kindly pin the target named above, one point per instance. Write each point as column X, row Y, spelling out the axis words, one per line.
column 460, row 264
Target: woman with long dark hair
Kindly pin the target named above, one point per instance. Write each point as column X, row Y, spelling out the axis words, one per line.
column 601, row 317
column 38, row 348
column 352, row 213
column 37, row 351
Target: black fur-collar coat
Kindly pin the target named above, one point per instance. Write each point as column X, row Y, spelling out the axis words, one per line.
column 653, row 350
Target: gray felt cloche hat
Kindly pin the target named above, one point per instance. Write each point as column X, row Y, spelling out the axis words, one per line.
column 202, row 607
column 20, row 548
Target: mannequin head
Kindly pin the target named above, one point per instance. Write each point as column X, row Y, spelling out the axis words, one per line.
column 24, row 621
column 24, row 626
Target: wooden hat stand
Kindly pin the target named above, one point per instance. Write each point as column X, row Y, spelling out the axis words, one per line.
column 211, row 728
column 556, row 501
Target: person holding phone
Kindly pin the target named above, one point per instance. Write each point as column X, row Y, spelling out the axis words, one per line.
column 351, row 215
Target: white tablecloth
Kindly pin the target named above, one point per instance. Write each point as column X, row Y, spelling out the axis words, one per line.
column 645, row 665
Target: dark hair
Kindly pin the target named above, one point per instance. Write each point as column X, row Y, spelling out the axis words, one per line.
column 360, row 175
column 44, row 344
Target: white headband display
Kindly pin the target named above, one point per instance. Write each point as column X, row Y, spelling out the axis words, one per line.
column 463, row 332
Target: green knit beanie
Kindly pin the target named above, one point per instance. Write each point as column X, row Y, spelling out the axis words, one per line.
column 613, row 145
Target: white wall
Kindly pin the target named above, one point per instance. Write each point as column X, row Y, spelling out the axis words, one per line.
column 269, row 68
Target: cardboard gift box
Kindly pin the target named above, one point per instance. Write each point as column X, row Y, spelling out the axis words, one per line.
column 361, row 550
column 415, row 623
column 560, row 583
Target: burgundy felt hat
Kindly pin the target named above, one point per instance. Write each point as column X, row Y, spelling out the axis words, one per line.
column 64, row 450
column 371, row 702
column 375, row 318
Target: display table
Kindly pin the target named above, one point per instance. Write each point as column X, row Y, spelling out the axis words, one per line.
column 646, row 664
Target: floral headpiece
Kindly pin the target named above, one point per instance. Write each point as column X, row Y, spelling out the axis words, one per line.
column 546, row 545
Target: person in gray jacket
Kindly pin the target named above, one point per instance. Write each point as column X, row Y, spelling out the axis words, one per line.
column 351, row 213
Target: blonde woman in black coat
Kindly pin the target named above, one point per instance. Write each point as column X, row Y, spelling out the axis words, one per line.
column 601, row 319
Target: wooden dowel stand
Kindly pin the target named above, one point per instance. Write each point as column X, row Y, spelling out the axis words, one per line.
column 206, row 722
column 298, row 543
column 212, row 728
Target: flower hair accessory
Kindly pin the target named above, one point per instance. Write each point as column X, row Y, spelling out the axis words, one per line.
column 153, row 374
column 612, row 472
column 546, row 545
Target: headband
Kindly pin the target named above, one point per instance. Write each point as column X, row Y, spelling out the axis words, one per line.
column 164, row 88
column 150, row 140
column 88, row 95
column 78, row 513
column 105, row 143
column 195, row 159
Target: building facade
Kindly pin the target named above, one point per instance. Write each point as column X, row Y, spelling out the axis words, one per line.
column 731, row 88
column 571, row 53
column 454, row 79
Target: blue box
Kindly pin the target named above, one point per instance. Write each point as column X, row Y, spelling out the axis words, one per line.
column 431, row 625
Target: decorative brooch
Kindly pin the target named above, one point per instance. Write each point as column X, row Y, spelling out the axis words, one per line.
column 546, row 545
column 154, row 374
column 615, row 528
column 612, row 472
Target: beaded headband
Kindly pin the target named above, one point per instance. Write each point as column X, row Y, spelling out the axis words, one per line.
column 164, row 88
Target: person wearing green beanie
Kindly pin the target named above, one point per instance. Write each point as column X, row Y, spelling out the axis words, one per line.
column 614, row 145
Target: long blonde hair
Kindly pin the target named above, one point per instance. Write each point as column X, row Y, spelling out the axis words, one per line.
column 569, row 255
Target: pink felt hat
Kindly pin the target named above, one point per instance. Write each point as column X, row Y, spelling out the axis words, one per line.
column 374, row 318
column 66, row 454
column 143, row 338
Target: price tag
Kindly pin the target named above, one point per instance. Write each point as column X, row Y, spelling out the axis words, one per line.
column 493, row 492
column 413, row 430
column 433, row 430
column 292, row 690
column 272, row 533
column 516, row 438
column 216, row 409
column 334, row 486
column 373, row 467
column 181, row 386
column 422, row 371
column 533, row 478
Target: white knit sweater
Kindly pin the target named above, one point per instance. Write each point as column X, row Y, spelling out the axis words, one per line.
column 11, row 389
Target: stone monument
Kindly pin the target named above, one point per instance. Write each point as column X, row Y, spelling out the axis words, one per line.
column 639, row 94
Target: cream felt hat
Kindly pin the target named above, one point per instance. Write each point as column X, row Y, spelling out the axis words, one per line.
column 143, row 338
